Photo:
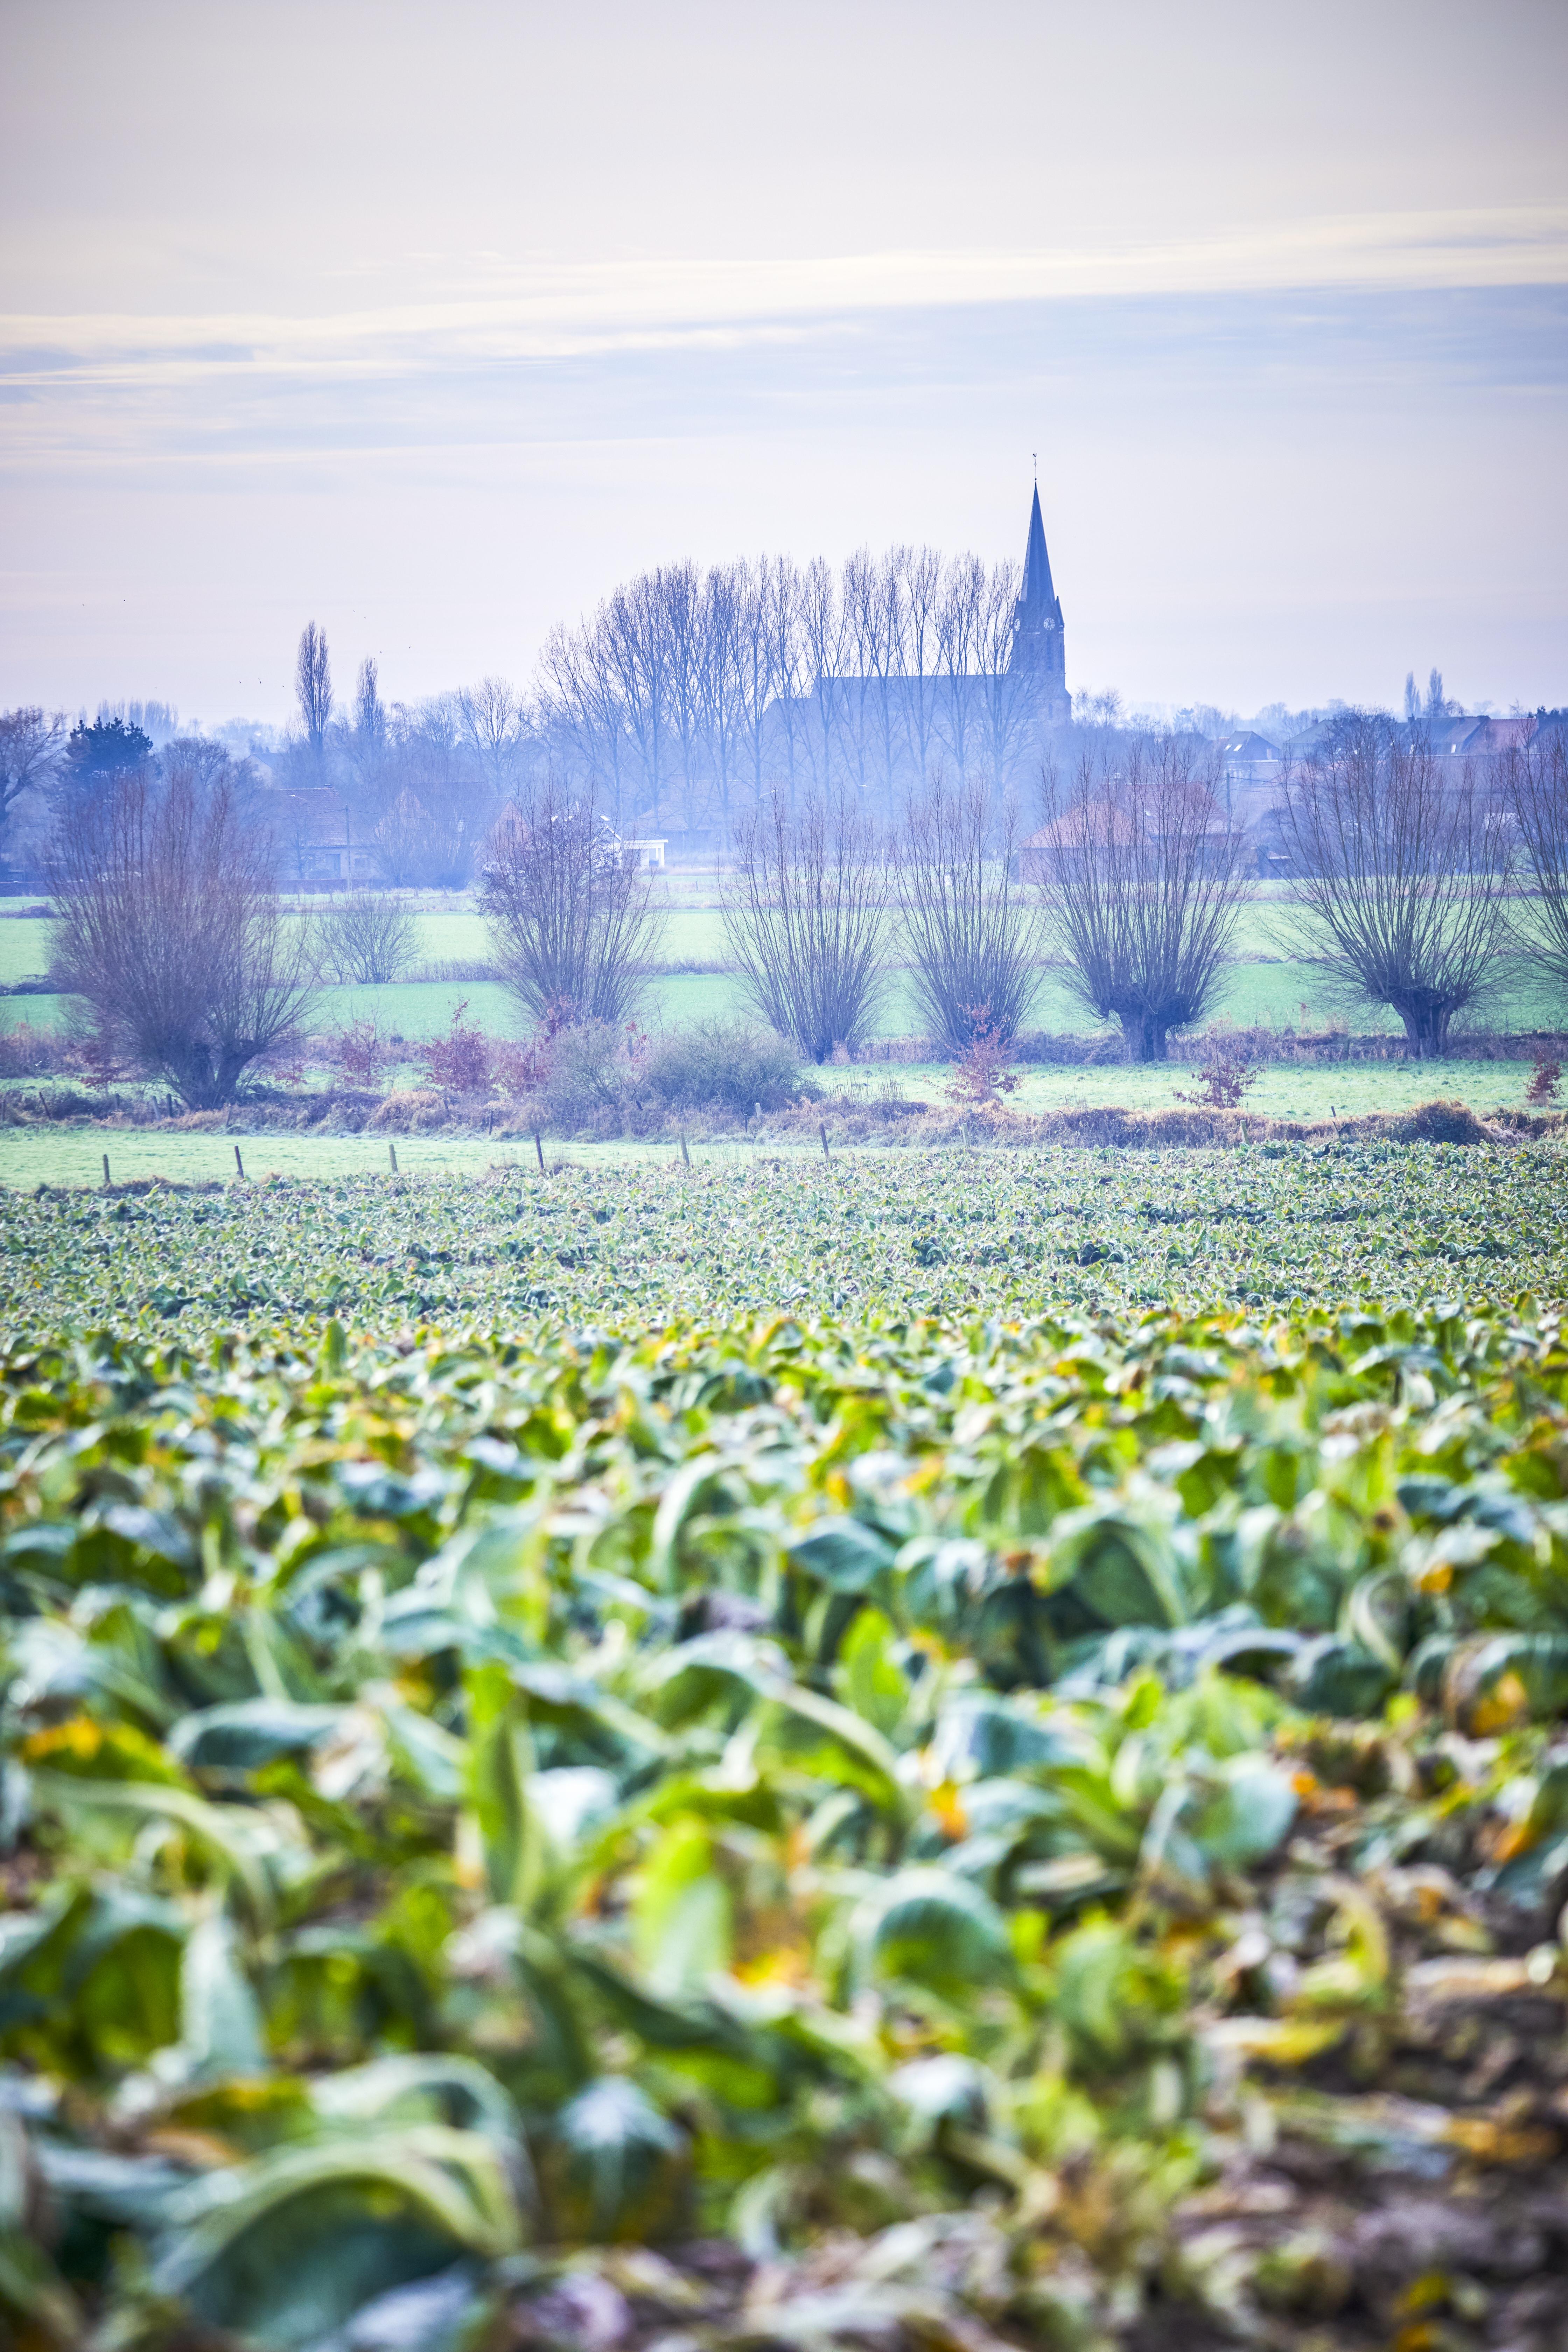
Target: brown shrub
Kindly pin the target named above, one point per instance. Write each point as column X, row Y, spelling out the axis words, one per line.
column 1436, row 1122
column 1546, row 1079
column 30, row 1052
column 981, row 1073
column 411, row 1110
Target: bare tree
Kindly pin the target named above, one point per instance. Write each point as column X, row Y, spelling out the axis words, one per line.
column 1143, row 884
column 313, row 686
column 582, row 718
column 958, row 631
column 492, row 723
column 1008, row 703
column 1401, row 873
column 569, row 913
column 971, row 938
column 168, row 930
column 368, row 733
column 824, row 637
column 366, row 940
column 921, row 568
column 632, row 646
column 29, row 753
column 803, row 905
column 433, row 805
column 780, row 591
column 726, row 641
column 1531, row 782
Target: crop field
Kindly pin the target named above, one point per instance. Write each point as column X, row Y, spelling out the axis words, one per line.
column 780, row 1829
column 944, row 1751
column 958, row 1232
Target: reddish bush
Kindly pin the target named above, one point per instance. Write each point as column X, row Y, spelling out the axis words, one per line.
column 522, row 1067
column 981, row 1073
column 1547, row 1078
column 360, row 1054
column 459, row 1063
column 1224, row 1078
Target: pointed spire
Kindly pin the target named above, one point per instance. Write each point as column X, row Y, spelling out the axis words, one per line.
column 1038, row 643
column 1040, row 596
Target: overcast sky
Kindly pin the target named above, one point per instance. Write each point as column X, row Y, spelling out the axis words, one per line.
column 433, row 321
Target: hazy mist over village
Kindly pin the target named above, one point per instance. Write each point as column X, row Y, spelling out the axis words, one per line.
column 784, row 1176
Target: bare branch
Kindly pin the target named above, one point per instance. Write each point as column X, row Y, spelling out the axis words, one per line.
column 571, row 922
column 1401, row 873
column 971, row 940
column 1531, row 781
column 803, row 910
column 1143, row 886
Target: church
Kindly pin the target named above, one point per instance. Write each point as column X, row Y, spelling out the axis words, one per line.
column 884, row 731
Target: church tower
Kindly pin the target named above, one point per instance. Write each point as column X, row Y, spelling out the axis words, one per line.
column 1039, row 644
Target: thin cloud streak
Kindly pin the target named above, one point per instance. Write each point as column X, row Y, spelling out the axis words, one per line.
column 552, row 312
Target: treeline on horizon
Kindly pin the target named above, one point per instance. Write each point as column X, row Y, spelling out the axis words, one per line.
column 677, row 702
column 676, row 706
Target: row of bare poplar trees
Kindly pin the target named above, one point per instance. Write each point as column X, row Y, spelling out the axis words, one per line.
column 689, row 692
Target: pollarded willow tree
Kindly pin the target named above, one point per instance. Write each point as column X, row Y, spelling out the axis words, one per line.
column 568, row 909
column 367, row 939
column 169, row 933
column 1401, row 873
column 1531, row 781
column 803, row 904
column 970, row 936
column 1143, row 881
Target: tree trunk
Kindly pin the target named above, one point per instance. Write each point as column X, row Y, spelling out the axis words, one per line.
column 1147, row 1036
column 1426, row 1027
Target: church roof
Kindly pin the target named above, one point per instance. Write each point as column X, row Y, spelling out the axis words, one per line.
column 1038, row 597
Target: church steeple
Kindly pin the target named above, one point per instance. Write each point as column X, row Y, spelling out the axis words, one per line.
column 1039, row 644
column 1039, row 597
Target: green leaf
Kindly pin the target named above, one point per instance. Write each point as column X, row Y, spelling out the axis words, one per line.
column 220, row 2023
column 288, row 2248
column 681, row 1914
column 246, row 1733
column 617, row 2157
column 933, row 1926
column 844, row 1554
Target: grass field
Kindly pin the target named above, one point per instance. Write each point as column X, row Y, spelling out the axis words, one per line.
column 1268, row 985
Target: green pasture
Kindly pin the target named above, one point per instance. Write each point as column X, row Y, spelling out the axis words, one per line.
column 72, row 1153
column 1270, row 984
column 1281, row 1091
column 75, row 1154
column 1261, row 994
